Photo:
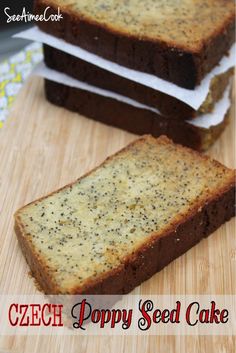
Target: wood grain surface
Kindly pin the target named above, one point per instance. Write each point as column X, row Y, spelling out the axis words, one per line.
column 43, row 147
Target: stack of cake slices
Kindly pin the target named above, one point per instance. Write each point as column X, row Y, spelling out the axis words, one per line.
column 148, row 67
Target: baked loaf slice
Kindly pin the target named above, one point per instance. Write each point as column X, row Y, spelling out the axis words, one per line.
column 119, row 224
column 127, row 117
column 179, row 41
column 167, row 105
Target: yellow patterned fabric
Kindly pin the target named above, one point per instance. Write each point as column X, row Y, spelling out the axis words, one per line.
column 13, row 73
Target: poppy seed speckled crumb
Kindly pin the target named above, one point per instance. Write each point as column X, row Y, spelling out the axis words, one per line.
column 105, row 223
column 179, row 41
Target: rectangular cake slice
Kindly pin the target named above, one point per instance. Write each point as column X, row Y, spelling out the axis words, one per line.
column 137, row 120
column 179, row 41
column 168, row 106
column 125, row 220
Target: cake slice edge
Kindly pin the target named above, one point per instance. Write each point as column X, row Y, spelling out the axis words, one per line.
column 149, row 258
column 175, row 63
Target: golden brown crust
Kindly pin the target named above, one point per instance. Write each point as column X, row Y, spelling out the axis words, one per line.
column 162, row 247
column 37, row 264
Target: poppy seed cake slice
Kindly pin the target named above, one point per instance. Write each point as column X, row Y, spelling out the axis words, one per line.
column 179, row 41
column 125, row 220
column 167, row 105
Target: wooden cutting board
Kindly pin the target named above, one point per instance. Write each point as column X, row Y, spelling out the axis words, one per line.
column 43, row 147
